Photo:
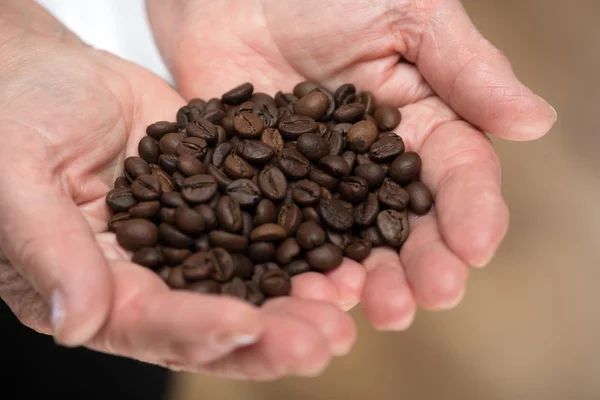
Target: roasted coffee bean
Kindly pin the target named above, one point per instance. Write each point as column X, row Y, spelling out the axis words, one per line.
column 239, row 94
column 208, row 215
column 368, row 100
column 322, row 129
column 313, row 105
column 354, row 189
column 165, row 180
column 203, row 129
column 182, row 116
column 275, row 283
column 213, row 115
column 229, row 214
column 207, row 159
column 248, row 125
column 237, row 168
column 189, row 165
column 343, row 128
column 221, row 134
column 255, row 151
column 167, row 215
column 273, row 139
column 222, row 264
column 292, row 126
column 262, row 98
column 323, row 179
column 118, row 218
column 261, row 252
column 372, row 235
column 372, row 173
column 146, row 187
column 393, row 226
column 235, row 288
column 285, row 99
column 391, row 195
column 176, row 280
column 244, row 267
column 296, row 267
column 312, row 146
column 136, row 233
column 168, row 143
column 306, row 193
column 189, row 221
column 420, row 197
column 159, row 129
column 386, row 148
column 174, row 256
column 344, row 94
column 290, row 218
column 358, row 251
column 405, row 167
column 325, row 257
column 268, row 115
column 287, row 251
column 363, row 159
column 366, row 212
column 202, row 243
column 337, row 214
column 311, row 214
column 195, row 113
column 330, row 103
column 148, row 149
column 198, row 103
column 168, row 162
column 335, row 142
column 198, row 188
column 388, row 118
column 150, row 257
column 293, row 164
column 255, row 294
column 339, row 239
column 248, row 223
column 207, row 286
column 121, row 183
column 335, row 165
column 229, row 241
column 214, row 103
column 145, row 209
column 193, row 146
column 198, row 266
column 220, row 177
column 310, row 235
column 350, row 158
column 351, row 113
column 245, row 192
column 134, row 167
column 303, row 88
column 289, row 198
column 260, row 269
column 177, row 180
column 173, row 237
column 120, row 200
column 172, row 199
column 361, row 136
column 268, row 232
column 222, row 151
column 266, row 212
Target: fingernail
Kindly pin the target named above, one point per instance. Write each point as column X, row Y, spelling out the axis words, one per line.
column 551, row 108
column 348, row 304
column 57, row 313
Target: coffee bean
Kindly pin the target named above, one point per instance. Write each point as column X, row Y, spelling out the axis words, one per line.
column 335, row 142
column 248, row 125
column 221, row 152
column 261, row 252
column 303, row 88
column 146, row 187
column 168, row 143
column 189, row 165
column 120, row 200
column 176, row 280
column 275, row 283
column 193, row 146
column 202, row 243
column 177, row 178
column 366, row 212
column 358, row 251
column 293, row 164
column 311, row 214
column 159, row 129
column 268, row 115
column 236, row 288
column 268, row 232
column 222, row 263
column 245, row 192
column 372, row 173
column 292, row 126
column 229, row 214
column 214, row 103
column 313, row 105
column 172, row 199
column 116, row 219
column 136, row 233
column 290, row 218
column 330, row 101
column 220, row 177
column 165, row 180
column 168, row 162
column 337, row 214
column 208, row 216
column 310, row 235
column 363, row 159
column 189, row 220
column 361, row 136
column 325, row 257
column 405, row 167
column 287, row 251
column 326, row 194
column 167, row 215
column 335, row 165
column 272, row 138
column 255, row 151
column 255, row 295
column 198, row 103
column 284, row 99
column 306, row 193
column 296, row 267
column 420, row 197
column 344, row 94
column 145, row 209
column 173, row 237
column 239, row 94
column 391, row 195
column 244, row 267
column 229, row 241
column 338, row 239
column 323, row 179
column 393, row 226
column 351, row 113
column 386, row 148
column 150, row 257
column 198, row 188
column 203, row 129
column 387, row 117
column 354, row 189
column 368, row 100
column 148, row 149
column 312, row 146
column 266, row 212
column 182, row 116
column 237, row 168
column 134, row 167
column 174, row 256
column 198, row 266
column 262, row 98
column 350, row 158
column 121, row 183
column 207, row 286
column 260, row 269
column 207, row 159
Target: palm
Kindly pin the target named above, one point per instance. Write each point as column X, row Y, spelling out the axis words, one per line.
column 275, row 45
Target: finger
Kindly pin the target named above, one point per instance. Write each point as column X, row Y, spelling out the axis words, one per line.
column 151, row 323
column 314, row 286
column 476, row 79
column 387, row 299
column 349, row 279
column 46, row 238
column 333, row 323
column 437, row 277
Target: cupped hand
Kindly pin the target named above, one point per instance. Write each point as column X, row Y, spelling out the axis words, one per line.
column 70, row 115
column 426, row 58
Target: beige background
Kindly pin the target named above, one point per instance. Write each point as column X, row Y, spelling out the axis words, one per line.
column 528, row 327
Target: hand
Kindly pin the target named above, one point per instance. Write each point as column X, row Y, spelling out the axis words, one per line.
column 425, row 57
column 69, row 116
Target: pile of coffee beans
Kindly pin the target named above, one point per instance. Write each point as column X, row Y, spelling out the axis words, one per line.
column 241, row 193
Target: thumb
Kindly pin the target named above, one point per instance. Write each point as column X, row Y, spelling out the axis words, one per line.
column 44, row 235
column 476, row 79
